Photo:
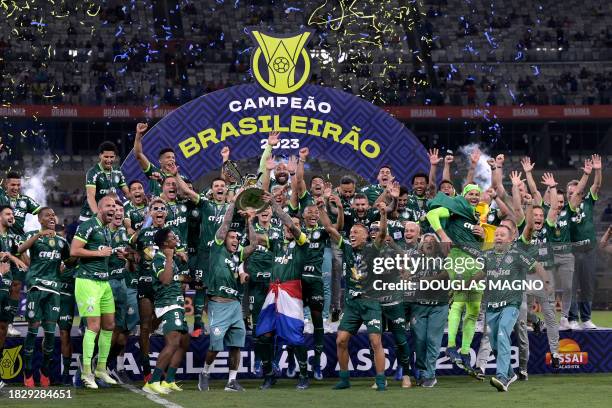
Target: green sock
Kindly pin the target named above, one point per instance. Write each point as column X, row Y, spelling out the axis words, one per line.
column 380, row 381
column 89, row 343
column 66, row 363
column 198, row 308
column 157, row 375
column 302, row 355
column 266, row 354
column 14, row 308
column 28, row 349
column 170, row 374
column 48, row 346
column 319, row 338
column 104, row 345
column 344, row 381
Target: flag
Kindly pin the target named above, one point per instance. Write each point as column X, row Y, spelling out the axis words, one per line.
column 283, row 312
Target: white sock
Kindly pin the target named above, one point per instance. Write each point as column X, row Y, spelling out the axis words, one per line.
column 233, row 374
column 120, row 362
column 207, row 368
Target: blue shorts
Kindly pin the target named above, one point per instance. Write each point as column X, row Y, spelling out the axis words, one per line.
column 226, row 325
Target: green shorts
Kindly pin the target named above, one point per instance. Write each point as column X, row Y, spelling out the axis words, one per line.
column 173, row 320
column 120, row 296
column 5, row 307
column 226, row 325
column 94, row 298
column 42, row 306
column 132, row 317
column 257, row 296
column 145, row 288
column 361, row 311
column 312, row 293
column 66, row 314
column 18, row 275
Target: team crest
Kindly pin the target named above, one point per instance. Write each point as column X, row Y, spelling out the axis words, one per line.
column 509, row 259
column 22, row 204
column 195, row 213
column 178, row 322
column 285, row 66
column 51, row 242
column 117, row 179
column 292, row 244
column 316, row 235
column 117, row 239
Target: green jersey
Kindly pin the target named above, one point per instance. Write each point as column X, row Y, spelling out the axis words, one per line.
column 353, row 269
column 261, row 261
column 95, row 235
column 223, row 280
column 289, row 258
column 146, row 247
column 559, row 234
column 582, row 228
column 105, row 182
column 211, row 213
column 372, row 191
column 539, row 247
column 459, row 226
column 194, row 219
column 396, row 230
column 46, row 256
column 177, row 221
column 66, row 281
column 417, row 206
column 9, row 242
column 370, row 216
column 170, row 294
column 318, row 239
column 155, row 188
column 505, row 272
column 119, row 239
column 21, row 205
column 136, row 214
column 494, row 217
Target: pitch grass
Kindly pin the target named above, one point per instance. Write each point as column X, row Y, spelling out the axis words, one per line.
column 585, row 390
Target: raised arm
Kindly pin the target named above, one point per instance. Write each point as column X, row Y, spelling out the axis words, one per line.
column 269, row 165
column 299, row 174
column 549, row 181
column 382, row 233
column 446, row 173
column 225, row 225
column 529, row 223
column 144, row 163
column 533, row 188
column 596, row 160
column 340, row 215
column 434, row 160
column 283, row 216
column 253, row 238
column 576, row 198
column 474, row 158
column 517, row 207
column 273, row 139
column 185, row 189
column 326, row 222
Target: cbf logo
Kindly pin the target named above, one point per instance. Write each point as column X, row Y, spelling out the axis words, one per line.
column 285, row 62
column 10, row 363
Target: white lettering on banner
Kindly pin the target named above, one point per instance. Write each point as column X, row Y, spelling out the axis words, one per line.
column 423, row 113
column 581, row 111
column 116, row 113
column 64, row 112
column 4, row 111
column 278, row 102
column 525, row 112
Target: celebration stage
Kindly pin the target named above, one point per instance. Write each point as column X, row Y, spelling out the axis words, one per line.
column 581, row 352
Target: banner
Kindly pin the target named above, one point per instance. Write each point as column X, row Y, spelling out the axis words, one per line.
column 403, row 113
column 581, row 352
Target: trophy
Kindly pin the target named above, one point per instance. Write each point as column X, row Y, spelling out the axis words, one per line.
column 251, row 195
